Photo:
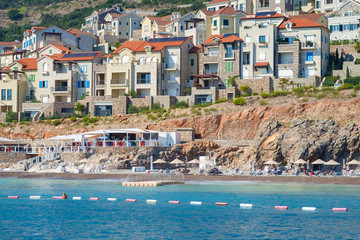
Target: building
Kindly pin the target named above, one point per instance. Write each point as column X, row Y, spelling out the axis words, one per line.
column 39, row 37
column 329, row 6
column 17, row 84
column 94, row 21
column 9, row 46
column 242, row 5
column 158, row 66
column 170, row 26
column 67, row 77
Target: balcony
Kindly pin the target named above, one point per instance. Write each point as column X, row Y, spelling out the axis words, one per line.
column 229, row 55
column 168, row 66
column 118, row 81
column 100, row 84
column 262, row 44
column 59, row 90
column 143, row 81
column 308, row 45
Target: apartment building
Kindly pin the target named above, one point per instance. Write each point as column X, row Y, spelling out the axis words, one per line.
column 93, row 22
column 303, row 46
column 9, row 57
column 238, row 5
column 207, row 23
column 329, row 6
column 39, row 37
column 17, row 84
column 259, row 33
column 118, row 27
column 158, row 66
column 67, row 77
column 8, row 46
column 170, row 26
column 52, row 49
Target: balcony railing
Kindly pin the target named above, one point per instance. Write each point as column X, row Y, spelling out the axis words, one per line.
column 230, row 55
column 100, row 82
column 118, row 81
column 59, row 89
column 143, row 81
column 308, row 44
column 286, row 62
column 168, row 66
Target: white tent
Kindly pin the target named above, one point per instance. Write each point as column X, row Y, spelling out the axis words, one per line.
column 75, row 137
column 7, row 140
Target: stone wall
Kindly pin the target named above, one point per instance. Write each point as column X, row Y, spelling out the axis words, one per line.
column 257, row 85
column 227, row 93
column 189, row 99
column 8, row 158
column 186, row 134
column 354, row 70
column 73, row 157
column 164, row 101
column 140, row 102
column 298, row 82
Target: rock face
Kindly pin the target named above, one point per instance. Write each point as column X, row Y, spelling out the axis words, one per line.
column 305, row 139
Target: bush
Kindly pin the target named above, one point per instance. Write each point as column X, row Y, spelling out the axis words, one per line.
column 73, row 119
column 79, row 107
column 132, row 109
column 357, row 87
column 202, row 105
column 345, row 86
column 255, row 93
column 330, row 81
column 279, row 93
column 10, row 116
column 181, row 104
column 85, row 119
column 321, row 95
column 245, row 88
column 264, row 95
column 151, row 117
column 56, row 122
column 14, row 15
column 221, row 100
column 353, row 80
column 93, row 120
column 239, row 101
column 263, row 103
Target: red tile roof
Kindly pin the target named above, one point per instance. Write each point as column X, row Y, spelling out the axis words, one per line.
column 302, row 21
column 160, row 35
column 67, row 57
column 225, row 11
column 8, row 43
column 161, row 20
column 195, row 49
column 228, row 39
column 139, row 46
column 217, row 1
column 8, row 53
column 117, row 15
column 78, row 32
column 261, row 64
column 253, row 16
column 28, row 63
column 61, row 48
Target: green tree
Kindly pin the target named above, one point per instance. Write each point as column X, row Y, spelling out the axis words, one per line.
column 341, row 60
column 336, row 57
column 10, row 116
column 14, row 15
column 284, row 83
column 347, row 72
column 357, row 46
column 79, row 107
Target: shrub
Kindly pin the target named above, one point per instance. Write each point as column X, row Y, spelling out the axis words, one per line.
column 56, row 122
column 239, row 101
column 353, row 80
column 79, row 107
column 181, row 104
column 213, row 110
column 357, row 87
column 321, row 95
column 10, row 116
column 245, row 88
column 263, row 103
column 73, row 119
column 151, row 117
column 352, row 95
column 330, row 81
column 202, row 105
column 345, row 86
column 264, row 95
column 85, row 119
column 14, row 15
column 132, row 109
column 298, row 90
column 221, row 100
column 255, row 93
column 93, row 120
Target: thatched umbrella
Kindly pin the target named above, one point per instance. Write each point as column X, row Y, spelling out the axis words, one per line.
column 353, row 162
column 271, row 162
column 332, row 163
column 194, row 161
column 177, row 161
column 318, row 162
column 300, row 161
column 159, row 161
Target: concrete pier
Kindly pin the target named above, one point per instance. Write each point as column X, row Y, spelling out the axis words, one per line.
column 150, row 183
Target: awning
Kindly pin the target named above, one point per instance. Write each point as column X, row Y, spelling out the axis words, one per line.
column 261, row 64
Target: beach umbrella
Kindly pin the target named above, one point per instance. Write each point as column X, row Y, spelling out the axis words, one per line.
column 318, row 162
column 177, row 161
column 159, row 161
column 194, row 161
column 353, row 162
column 332, row 163
column 300, row 161
column 271, row 162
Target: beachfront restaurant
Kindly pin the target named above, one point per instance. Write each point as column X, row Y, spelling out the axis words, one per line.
column 118, row 138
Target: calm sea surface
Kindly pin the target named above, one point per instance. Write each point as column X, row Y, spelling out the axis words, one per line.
column 68, row 219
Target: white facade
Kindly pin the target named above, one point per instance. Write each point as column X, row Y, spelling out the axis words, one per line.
column 344, row 27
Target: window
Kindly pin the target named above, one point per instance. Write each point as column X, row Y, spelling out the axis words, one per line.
column 247, row 39
column 246, row 58
column 145, row 78
column 9, row 94
column 346, row 27
column 119, row 33
column 325, row 39
column 83, row 84
column 45, row 67
column 134, row 23
column 3, row 94
column 192, row 62
column 119, row 23
column 32, row 77
column 175, row 29
column 325, row 56
column 215, row 23
column 50, row 51
column 213, row 51
column 228, row 66
column 335, row 28
column 83, row 68
column 309, row 56
column 114, row 24
column 43, row 84
column 262, row 56
column 16, row 68
column 127, row 33
column 262, row 39
column 226, row 22
column 181, row 28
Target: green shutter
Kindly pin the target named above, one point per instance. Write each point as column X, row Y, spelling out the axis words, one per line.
column 16, row 68
column 228, row 66
column 192, row 62
column 32, row 78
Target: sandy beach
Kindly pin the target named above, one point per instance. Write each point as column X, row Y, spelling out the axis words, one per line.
column 247, row 178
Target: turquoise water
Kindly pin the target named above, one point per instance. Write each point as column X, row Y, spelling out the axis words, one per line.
column 63, row 219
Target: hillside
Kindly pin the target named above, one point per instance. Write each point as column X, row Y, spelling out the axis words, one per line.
column 71, row 13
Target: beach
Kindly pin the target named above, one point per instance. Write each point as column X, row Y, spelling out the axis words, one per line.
column 340, row 180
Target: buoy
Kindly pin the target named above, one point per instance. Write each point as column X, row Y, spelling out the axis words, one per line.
column 340, row 209
column 35, row 197
column 281, row 207
column 221, row 204
column 174, row 202
column 310, row 209
column 151, row 201
column 131, row 200
column 13, row 197
column 111, row 199
column 246, row 205
column 64, row 196
column 76, row 198
column 94, row 198
column 57, row 197
column 195, row 203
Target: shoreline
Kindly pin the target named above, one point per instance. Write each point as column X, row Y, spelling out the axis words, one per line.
column 191, row 178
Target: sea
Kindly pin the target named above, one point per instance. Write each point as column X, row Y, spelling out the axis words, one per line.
column 49, row 218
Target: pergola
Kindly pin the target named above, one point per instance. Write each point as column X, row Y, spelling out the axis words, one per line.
column 203, row 77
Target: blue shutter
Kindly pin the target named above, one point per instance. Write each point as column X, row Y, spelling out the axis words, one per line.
column 79, row 84
column 40, row 84
column 87, row 84
column 46, row 84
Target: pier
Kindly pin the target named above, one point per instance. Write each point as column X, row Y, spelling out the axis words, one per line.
column 152, row 180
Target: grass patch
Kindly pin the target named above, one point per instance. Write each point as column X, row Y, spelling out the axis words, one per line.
column 263, row 103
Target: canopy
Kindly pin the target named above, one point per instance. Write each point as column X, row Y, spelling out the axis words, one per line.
column 76, row 137
column 194, row 161
column 7, row 140
column 332, row 163
column 127, row 130
column 177, row 161
column 159, row 161
column 353, row 162
column 300, row 161
column 318, row 162
column 271, row 162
